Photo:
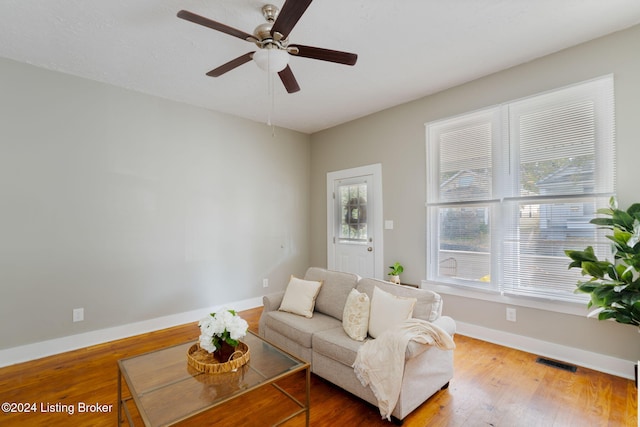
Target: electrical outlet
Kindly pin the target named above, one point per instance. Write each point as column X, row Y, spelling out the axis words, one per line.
column 265, row 283
column 78, row 314
column 511, row 314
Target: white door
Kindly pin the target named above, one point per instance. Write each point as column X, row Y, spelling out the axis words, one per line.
column 354, row 221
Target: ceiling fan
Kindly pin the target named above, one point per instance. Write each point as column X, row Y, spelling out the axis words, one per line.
column 272, row 40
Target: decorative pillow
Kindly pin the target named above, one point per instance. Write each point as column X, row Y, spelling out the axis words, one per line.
column 300, row 296
column 388, row 310
column 355, row 319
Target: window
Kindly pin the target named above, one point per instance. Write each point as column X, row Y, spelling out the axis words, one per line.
column 352, row 198
column 510, row 187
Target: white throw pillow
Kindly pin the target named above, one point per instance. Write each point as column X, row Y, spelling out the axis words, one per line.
column 300, row 296
column 387, row 311
column 355, row 319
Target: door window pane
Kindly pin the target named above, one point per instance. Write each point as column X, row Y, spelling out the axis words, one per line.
column 353, row 212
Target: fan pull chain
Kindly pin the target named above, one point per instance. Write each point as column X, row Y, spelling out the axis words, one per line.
column 269, row 97
column 271, row 100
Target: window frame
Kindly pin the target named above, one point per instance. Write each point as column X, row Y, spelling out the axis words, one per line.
column 505, row 190
column 343, row 208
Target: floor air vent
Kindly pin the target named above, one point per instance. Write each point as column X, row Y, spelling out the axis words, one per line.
column 556, row 364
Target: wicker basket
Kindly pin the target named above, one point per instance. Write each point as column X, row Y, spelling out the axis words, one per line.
column 203, row 361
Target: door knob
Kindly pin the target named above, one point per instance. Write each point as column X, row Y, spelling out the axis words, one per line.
column 370, row 249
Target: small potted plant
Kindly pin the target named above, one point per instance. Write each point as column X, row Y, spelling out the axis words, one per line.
column 396, row 270
column 220, row 333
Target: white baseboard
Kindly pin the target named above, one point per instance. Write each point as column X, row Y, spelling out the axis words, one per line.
column 599, row 362
column 37, row 350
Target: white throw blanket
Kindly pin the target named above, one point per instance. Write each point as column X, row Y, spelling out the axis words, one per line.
column 380, row 362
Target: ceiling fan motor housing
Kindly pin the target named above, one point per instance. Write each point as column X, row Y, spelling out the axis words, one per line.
column 263, row 31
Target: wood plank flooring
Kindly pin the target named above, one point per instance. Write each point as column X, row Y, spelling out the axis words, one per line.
column 493, row 386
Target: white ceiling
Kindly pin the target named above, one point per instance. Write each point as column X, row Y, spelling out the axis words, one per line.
column 406, row 49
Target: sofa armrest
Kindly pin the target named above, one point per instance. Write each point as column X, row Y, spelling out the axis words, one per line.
column 272, row 302
column 415, row 349
column 446, row 323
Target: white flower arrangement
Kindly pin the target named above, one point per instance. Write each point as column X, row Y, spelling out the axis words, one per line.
column 225, row 326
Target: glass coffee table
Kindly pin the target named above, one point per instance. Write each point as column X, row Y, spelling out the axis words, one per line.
column 166, row 390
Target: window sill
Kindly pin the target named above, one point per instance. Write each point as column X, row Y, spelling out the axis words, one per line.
column 574, row 309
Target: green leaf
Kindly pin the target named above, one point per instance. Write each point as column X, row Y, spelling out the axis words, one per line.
column 613, row 272
column 396, row 269
column 625, row 272
column 593, row 269
column 604, row 296
column 634, row 210
column 232, row 342
column 605, row 222
column 605, row 211
column 586, row 255
column 621, row 318
column 635, row 236
column 634, row 260
column 575, row 264
column 631, row 300
column 587, row 287
column 607, row 314
column 621, row 236
column 623, row 219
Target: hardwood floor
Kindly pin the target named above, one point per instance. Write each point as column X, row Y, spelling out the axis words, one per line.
column 493, row 386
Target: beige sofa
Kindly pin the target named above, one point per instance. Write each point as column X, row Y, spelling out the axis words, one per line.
column 321, row 339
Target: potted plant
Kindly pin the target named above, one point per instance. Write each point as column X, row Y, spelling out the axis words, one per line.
column 220, row 333
column 614, row 286
column 396, row 270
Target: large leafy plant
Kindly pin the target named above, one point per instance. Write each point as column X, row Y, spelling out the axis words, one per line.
column 614, row 286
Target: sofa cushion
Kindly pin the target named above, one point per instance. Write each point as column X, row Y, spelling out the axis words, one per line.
column 300, row 296
column 336, row 344
column 334, row 291
column 299, row 329
column 355, row 319
column 388, row 310
column 428, row 306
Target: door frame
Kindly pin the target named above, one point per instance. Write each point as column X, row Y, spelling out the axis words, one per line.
column 375, row 171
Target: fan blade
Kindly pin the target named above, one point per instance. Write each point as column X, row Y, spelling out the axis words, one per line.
column 201, row 20
column 231, row 65
column 325, row 54
column 288, row 80
column 288, row 17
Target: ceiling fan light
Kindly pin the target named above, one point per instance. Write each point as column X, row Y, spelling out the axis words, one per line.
column 272, row 60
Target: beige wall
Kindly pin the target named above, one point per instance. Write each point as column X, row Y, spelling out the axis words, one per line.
column 134, row 207
column 396, row 138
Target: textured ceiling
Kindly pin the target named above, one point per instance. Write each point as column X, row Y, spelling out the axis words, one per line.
column 406, row 49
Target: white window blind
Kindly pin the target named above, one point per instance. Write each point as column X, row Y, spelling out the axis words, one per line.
column 538, row 169
column 461, row 196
